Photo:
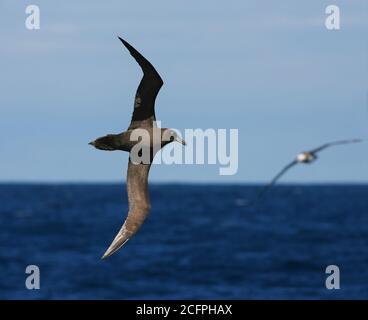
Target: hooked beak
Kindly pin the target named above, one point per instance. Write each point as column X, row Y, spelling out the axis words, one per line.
column 180, row 140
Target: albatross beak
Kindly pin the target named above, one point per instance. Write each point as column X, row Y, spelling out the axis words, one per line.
column 180, row 140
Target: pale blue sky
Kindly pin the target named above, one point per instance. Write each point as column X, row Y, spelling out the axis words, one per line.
column 268, row 68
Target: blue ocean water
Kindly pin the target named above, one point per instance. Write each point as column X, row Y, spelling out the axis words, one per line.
column 199, row 242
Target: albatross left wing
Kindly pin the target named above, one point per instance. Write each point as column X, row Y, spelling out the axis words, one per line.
column 150, row 85
column 139, row 205
column 273, row 181
column 281, row 173
column 327, row 145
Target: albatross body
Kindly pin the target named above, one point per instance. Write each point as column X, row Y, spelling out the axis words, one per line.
column 143, row 121
column 306, row 157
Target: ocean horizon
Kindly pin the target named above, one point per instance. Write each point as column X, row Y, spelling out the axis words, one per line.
column 199, row 242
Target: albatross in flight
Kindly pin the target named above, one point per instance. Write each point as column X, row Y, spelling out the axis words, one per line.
column 137, row 177
column 305, row 157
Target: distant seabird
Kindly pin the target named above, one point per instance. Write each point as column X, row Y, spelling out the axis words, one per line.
column 305, row 157
column 137, row 177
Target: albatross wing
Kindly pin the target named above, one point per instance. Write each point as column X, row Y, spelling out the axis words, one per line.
column 150, row 85
column 139, row 205
column 280, row 174
column 326, row 145
column 274, row 180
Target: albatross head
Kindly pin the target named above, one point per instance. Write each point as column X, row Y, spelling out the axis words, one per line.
column 169, row 135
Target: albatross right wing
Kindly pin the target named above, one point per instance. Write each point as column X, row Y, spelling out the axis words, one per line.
column 139, row 205
column 326, row 145
column 150, row 85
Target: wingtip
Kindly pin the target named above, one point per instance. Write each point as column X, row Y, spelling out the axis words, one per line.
column 105, row 255
column 117, row 243
column 124, row 42
column 108, row 253
column 358, row 140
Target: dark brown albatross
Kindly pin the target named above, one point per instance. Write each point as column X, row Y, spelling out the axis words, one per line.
column 137, row 177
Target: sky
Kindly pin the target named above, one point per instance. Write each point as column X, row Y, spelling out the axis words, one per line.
column 270, row 69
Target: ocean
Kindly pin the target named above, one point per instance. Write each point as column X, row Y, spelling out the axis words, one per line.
column 199, row 242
